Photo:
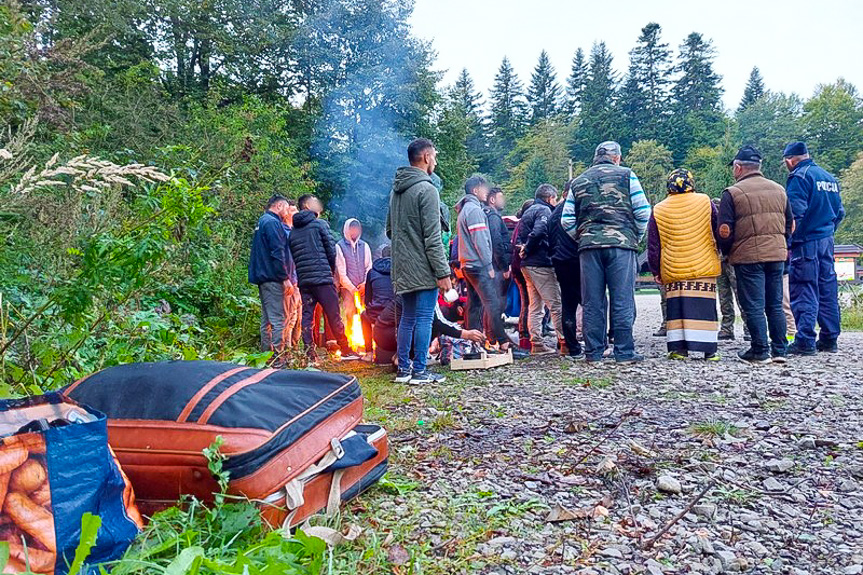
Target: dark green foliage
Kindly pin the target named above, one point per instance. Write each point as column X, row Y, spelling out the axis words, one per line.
column 754, row 89
column 544, row 92
column 645, row 98
column 599, row 118
column 698, row 117
column 833, row 124
column 769, row 123
column 851, row 230
column 575, row 84
column 507, row 114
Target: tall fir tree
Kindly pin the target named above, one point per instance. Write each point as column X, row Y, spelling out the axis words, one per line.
column 598, row 119
column 645, row 95
column 508, row 113
column 754, row 89
column 544, row 92
column 465, row 94
column 575, row 84
column 466, row 102
column 698, row 116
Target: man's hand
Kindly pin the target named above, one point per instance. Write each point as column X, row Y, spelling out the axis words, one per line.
column 507, row 274
column 657, row 279
column 444, row 284
column 491, row 273
column 288, row 287
column 473, row 335
column 521, row 251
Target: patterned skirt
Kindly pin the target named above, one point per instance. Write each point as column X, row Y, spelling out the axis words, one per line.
column 692, row 321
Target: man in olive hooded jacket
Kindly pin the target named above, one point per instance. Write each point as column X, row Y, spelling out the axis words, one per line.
column 419, row 263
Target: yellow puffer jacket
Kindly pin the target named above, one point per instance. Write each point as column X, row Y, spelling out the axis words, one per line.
column 686, row 236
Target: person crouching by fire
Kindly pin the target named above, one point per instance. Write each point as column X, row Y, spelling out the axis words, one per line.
column 314, row 253
column 379, row 292
column 353, row 262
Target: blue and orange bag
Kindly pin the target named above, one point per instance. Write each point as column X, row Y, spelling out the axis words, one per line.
column 56, row 465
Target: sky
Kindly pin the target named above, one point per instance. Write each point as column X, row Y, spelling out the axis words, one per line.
column 796, row 45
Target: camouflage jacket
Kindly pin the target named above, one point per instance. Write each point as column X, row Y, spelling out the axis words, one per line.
column 606, row 208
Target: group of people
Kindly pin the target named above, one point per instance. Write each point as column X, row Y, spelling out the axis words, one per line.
column 298, row 267
column 574, row 260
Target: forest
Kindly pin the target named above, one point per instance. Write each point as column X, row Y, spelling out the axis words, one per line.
column 140, row 141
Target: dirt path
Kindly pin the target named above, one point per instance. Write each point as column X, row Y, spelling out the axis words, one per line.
column 481, row 462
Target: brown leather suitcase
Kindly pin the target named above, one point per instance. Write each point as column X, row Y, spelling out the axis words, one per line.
column 292, row 439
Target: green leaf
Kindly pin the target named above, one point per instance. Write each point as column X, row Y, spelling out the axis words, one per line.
column 90, row 525
column 187, row 561
column 4, row 554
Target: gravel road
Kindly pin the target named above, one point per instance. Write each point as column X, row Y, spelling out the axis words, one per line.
column 662, row 467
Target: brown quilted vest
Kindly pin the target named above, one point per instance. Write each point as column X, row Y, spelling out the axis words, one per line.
column 759, row 230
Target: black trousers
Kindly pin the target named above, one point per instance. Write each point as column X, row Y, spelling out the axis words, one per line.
column 327, row 296
column 483, row 296
column 569, row 277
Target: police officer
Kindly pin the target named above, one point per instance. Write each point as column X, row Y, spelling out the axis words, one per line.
column 817, row 207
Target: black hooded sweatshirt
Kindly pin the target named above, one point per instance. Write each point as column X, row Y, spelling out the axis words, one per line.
column 379, row 287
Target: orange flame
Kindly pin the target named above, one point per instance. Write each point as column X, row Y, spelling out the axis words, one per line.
column 355, row 330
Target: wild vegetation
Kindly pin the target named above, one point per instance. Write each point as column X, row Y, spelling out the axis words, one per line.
column 140, row 140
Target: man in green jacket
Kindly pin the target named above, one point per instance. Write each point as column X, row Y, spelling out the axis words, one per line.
column 419, row 266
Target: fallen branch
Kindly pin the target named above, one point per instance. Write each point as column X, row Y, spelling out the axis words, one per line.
column 650, row 542
column 604, row 438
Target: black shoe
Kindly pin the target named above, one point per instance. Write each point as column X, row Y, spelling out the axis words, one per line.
column 661, row 332
column 827, row 346
column 726, row 336
column 797, row 349
column 752, row 357
column 349, row 355
column 518, row 353
column 630, row 360
column 403, row 376
column 780, row 359
column 576, row 353
column 426, row 377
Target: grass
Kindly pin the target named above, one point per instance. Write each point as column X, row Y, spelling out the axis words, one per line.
column 594, row 382
column 736, row 496
column 440, row 536
column 852, row 311
column 714, row 428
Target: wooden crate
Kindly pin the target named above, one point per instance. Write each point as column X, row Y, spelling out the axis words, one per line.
column 485, row 361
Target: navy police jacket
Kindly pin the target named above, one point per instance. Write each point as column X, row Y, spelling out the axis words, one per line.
column 815, row 202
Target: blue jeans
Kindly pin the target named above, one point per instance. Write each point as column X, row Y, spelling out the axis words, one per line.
column 415, row 327
column 814, row 291
column 759, row 289
column 612, row 269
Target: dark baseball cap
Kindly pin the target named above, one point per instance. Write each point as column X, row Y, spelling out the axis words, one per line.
column 747, row 154
column 795, row 149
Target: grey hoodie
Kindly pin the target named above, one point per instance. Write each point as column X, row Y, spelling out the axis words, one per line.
column 414, row 226
column 474, row 240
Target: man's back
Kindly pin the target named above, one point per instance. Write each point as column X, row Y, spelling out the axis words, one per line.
column 562, row 247
column 815, row 202
column 414, row 225
column 313, row 250
column 760, row 220
column 603, row 206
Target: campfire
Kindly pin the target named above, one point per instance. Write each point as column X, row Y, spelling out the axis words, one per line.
column 355, row 329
